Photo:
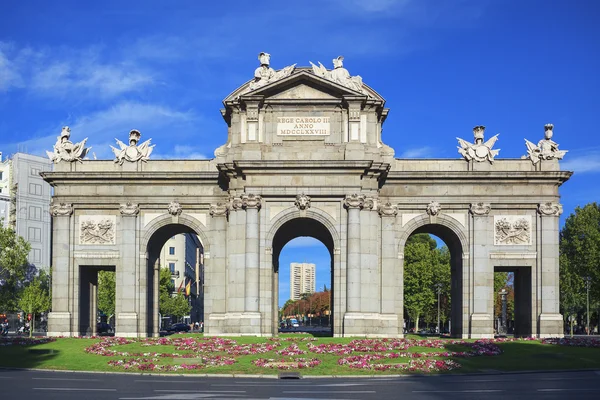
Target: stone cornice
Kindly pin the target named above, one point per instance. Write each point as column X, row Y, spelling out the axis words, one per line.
column 498, row 177
column 108, row 177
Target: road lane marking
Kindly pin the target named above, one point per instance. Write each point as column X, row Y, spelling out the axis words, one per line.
column 330, row 391
column 65, row 379
column 75, row 389
column 198, row 390
column 459, row 391
column 567, row 390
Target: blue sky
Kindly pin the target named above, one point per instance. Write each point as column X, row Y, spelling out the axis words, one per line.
column 104, row 68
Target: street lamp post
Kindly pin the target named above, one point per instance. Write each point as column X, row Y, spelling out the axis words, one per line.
column 438, row 286
column 588, row 282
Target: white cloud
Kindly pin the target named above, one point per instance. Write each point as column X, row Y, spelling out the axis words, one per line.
column 374, row 6
column 181, row 152
column 420, row 152
column 9, row 76
column 585, row 163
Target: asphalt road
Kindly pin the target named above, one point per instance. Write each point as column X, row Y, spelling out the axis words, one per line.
column 21, row 384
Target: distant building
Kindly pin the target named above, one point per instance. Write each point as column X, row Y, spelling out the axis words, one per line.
column 180, row 254
column 28, row 203
column 302, row 279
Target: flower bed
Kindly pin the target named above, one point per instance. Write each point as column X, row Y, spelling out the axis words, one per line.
column 290, row 363
column 573, row 341
column 24, row 341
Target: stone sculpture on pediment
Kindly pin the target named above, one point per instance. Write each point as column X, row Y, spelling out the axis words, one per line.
column 479, row 151
column 133, row 152
column 129, row 209
column 339, row 75
column 264, row 74
column 550, row 209
column 61, row 209
column 302, row 201
column 546, row 149
column 175, row 208
column 65, row 150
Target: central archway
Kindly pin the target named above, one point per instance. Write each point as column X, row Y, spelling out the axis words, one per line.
column 294, row 225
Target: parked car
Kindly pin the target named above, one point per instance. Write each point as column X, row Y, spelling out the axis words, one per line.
column 103, row 327
column 179, row 327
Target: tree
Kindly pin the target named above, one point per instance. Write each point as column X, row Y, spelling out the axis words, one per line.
column 34, row 300
column 13, row 267
column 579, row 258
column 177, row 305
column 106, row 293
column 419, row 261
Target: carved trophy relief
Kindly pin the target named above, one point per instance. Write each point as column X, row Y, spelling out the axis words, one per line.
column 546, row 148
column 65, row 150
column 302, row 201
column 512, row 230
column 97, row 229
column 479, row 151
column 133, row 152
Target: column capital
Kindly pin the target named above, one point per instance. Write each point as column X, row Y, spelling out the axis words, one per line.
column 550, row 209
column 388, row 210
column 354, row 201
column 219, row 210
column 251, row 201
column 129, row 209
column 480, row 208
column 61, row 210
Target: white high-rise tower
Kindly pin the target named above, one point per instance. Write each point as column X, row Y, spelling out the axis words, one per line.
column 302, row 279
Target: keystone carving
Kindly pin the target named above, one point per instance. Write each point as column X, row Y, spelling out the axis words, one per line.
column 354, row 201
column 546, row 149
column 65, row 150
column 175, row 208
column 480, row 208
column 478, row 151
column 129, row 209
column 433, row 208
column 251, row 201
column 302, row 201
column 219, row 210
column 554, row 209
column 388, row 210
column 61, row 209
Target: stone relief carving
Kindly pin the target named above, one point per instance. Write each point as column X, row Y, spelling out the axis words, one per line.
column 302, row 201
column 354, row 201
column 251, row 201
column 97, row 230
column 129, row 209
column 480, row 150
column 133, row 152
column 388, row 210
column 480, row 208
column 175, row 208
column 65, row 150
column 433, row 208
column 219, row 210
column 339, row 75
column 264, row 74
column 554, row 209
column 546, row 148
column 61, row 209
column 512, row 229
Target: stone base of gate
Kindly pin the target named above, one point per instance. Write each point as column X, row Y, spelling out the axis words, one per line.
column 126, row 324
column 482, row 326
column 371, row 325
column 59, row 324
column 551, row 325
column 235, row 324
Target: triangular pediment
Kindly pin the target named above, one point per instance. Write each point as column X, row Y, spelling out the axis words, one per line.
column 301, row 84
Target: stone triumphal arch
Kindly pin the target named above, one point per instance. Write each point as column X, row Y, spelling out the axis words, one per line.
column 304, row 157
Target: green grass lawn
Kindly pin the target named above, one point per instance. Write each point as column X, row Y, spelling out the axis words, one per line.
column 70, row 354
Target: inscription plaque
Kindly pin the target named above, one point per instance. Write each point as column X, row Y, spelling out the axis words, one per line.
column 303, row 126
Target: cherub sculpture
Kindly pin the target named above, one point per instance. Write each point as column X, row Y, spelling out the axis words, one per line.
column 546, row 148
column 339, row 75
column 133, row 152
column 480, row 150
column 65, row 150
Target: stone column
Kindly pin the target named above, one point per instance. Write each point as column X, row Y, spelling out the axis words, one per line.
column 59, row 320
column 125, row 274
column 252, row 204
column 370, row 293
column 354, row 203
column 550, row 319
column 390, row 273
column 94, row 305
column 214, row 270
column 155, row 298
column 482, row 295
